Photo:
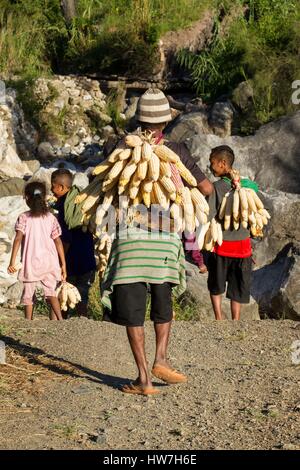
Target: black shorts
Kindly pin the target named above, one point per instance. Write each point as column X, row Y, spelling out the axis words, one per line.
column 129, row 304
column 235, row 271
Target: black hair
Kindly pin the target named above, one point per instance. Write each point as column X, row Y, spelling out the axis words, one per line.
column 223, row 152
column 35, row 193
column 62, row 174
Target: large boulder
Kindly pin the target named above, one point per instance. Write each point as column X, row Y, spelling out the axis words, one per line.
column 198, row 293
column 276, row 286
column 283, row 228
column 271, row 156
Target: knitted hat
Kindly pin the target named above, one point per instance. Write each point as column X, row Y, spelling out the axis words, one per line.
column 153, row 107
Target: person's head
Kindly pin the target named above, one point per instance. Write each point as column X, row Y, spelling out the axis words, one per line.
column 35, row 196
column 61, row 182
column 221, row 160
column 153, row 110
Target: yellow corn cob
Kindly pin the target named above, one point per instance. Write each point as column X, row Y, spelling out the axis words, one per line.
column 89, row 203
column 103, row 166
column 176, row 214
column 228, row 213
column 223, row 206
column 201, row 235
column 251, row 204
column 253, row 230
column 189, row 214
column 127, row 173
column 220, row 234
column 214, row 230
column 133, row 192
column 139, row 199
column 135, row 180
column 168, row 184
column 160, row 195
column 252, row 218
column 199, row 200
column 264, row 213
column 259, row 221
column 153, row 198
column 147, row 186
column 93, row 187
column 243, row 199
column 236, row 205
column 236, row 224
column 115, row 171
column 107, row 186
column 257, row 200
column 201, row 216
column 175, row 177
column 264, row 220
column 208, row 240
column 115, row 155
column 133, row 141
column 165, row 169
column 244, row 224
column 172, row 196
column 142, row 170
column 186, row 174
column 147, row 199
column 153, row 168
column 166, row 154
column 146, row 151
column 125, row 154
column 136, row 154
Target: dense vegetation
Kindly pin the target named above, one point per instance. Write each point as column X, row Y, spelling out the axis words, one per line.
column 253, row 40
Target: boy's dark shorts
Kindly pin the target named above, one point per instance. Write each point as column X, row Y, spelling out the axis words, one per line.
column 83, row 283
column 129, row 304
column 235, row 271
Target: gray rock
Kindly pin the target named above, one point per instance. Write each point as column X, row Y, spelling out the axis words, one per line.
column 243, row 95
column 14, row 294
column 283, row 228
column 187, row 126
column 33, row 165
column 107, row 131
column 46, row 151
column 276, row 286
column 12, row 187
column 270, row 156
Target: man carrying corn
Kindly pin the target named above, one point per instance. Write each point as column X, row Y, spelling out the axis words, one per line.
column 149, row 260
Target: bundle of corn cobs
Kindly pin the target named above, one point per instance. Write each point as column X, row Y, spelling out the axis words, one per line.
column 244, row 208
column 68, row 296
column 142, row 172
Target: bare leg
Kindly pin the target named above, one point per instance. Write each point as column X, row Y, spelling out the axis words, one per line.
column 216, row 301
column 28, row 312
column 235, row 310
column 136, row 337
column 55, row 312
column 162, row 332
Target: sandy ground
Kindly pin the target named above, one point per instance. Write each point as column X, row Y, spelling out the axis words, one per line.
column 60, row 387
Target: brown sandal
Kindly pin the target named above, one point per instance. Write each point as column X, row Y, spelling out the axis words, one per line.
column 168, row 375
column 137, row 389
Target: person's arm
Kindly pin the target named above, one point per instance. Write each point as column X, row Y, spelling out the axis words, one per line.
column 203, row 183
column 15, row 249
column 61, row 255
column 206, row 187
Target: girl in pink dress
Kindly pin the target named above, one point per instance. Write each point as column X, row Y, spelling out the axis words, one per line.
column 42, row 255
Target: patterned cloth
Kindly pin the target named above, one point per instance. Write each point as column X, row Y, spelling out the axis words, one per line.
column 151, row 257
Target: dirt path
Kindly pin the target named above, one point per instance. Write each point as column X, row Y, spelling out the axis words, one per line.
column 60, row 389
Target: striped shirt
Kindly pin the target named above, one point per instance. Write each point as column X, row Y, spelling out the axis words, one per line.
column 141, row 256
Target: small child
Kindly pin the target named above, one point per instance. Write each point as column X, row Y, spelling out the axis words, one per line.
column 38, row 234
column 232, row 261
column 78, row 245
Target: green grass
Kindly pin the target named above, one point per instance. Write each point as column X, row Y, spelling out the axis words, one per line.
column 259, row 45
